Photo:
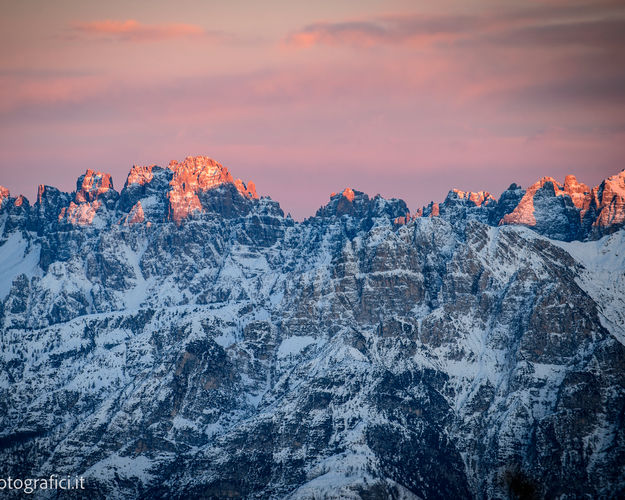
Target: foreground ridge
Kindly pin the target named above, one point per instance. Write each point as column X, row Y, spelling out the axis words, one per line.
column 183, row 338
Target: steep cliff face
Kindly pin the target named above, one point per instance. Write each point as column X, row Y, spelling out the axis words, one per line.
column 195, row 342
column 608, row 202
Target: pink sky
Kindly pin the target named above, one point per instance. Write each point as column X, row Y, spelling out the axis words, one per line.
column 407, row 99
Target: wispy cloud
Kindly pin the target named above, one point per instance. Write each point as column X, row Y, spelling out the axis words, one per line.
column 131, row 30
column 593, row 33
column 603, row 25
column 413, row 29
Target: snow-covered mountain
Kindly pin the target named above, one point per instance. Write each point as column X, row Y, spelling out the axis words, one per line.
column 183, row 338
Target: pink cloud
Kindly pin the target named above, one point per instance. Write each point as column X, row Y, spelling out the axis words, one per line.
column 406, row 29
column 131, row 30
column 35, row 91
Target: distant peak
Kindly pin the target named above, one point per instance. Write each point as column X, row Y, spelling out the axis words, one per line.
column 21, row 200
column 91, row 185
column 200, row 173
column 618, row 178
column 45, row 193
column 4, row 194
column 610, row 198
column 203, row 167
column 476, row 197
column 196, row 174
column 140, row 175
column 524, row 212
column 572, row 185
column 348, row 193
column 248, row 190
column 544, row 180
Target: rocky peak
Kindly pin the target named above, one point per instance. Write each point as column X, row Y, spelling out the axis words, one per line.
column 41, row 191
column 93, row 191
column 573, row 187
column 460, row 206
column 4, row 195
column 201, row 173
column 549, row 209
column 21, row 202
column 609, row 200
column 430, row 210
column 347, row 202
column 249, row 190
column 580, row 194
column 195, row 175
column 357, row 204
column 49, row 195
column 148, row 185
column 524, row 211
column 140, row 175
column 91, row 185
column 18, row 214
column 476, row 198
column 348, row 193
column 50, row 203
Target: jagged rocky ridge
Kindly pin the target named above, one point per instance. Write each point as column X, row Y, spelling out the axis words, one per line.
column 184, row 338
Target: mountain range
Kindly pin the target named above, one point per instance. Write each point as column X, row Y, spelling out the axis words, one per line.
column 183, row 338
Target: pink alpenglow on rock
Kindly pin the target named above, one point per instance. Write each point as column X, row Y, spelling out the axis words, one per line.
column 609, row 197
column 93, row 185
column 404, row 219
column 477, row 198
column 41, row 189
column 345, row 203
column 80, row 214
column 348, row 193
column 578, row 191
column 196, row 174
column 4, row 195
column 248, row 191
column 435, row 210
column 139, row 175
column 524, row 211
column 89, row 188
column 136, row 214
